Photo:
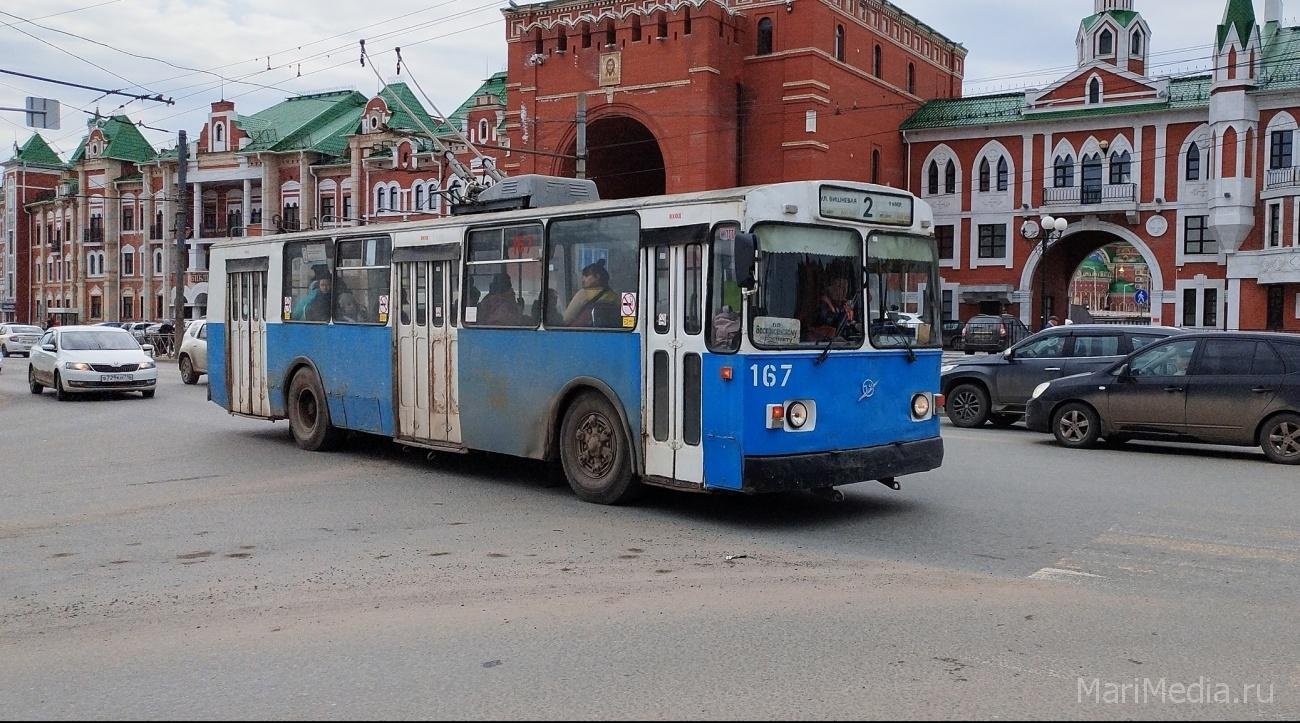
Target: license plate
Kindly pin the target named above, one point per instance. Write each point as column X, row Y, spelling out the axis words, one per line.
column 116, row 378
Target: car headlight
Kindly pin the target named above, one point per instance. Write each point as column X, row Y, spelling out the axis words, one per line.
column 1040, row 389
column 147, row 365
column 947, row 368
column 78, row 366
column 797, row 415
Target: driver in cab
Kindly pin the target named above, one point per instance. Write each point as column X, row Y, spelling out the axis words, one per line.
column 835, row 316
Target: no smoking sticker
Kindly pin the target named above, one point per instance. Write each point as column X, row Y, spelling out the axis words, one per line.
column 628, row 304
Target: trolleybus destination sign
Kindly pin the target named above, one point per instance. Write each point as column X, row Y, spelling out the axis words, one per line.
column 853, row 205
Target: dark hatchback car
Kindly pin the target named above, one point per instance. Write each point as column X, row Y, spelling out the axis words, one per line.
column 997, row 388
column 992, row 333
column 1222, row 388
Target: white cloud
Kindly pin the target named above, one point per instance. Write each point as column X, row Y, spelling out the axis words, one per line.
column 1011, row 43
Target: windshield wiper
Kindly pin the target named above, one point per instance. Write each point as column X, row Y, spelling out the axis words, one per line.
column 826, row 350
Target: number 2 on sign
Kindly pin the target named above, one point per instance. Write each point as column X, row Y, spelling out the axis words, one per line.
column 769, row 373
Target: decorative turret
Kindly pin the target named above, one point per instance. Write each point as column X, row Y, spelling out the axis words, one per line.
column 1114, row 34
column 1237, row 47
column 1234, row 117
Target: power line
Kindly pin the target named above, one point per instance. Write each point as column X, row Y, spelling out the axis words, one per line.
column 132, row 84
column 153, row 98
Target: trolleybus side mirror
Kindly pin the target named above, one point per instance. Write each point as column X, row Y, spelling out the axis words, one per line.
column 746, row 253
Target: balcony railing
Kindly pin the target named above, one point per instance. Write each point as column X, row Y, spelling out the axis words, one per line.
column 92, row 235
column 222, row 231
column 1281, row 178
column 1096, row 195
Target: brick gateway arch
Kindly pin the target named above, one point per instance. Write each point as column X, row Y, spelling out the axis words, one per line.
column 623, row 157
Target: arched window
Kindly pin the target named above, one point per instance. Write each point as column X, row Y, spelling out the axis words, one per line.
column 611, row 37
column 1135, row 47
column 877, row 66
column 662, row 25
column 482, row 129
column 562, row 42
column 1063, row 171
column 128, row 261
column 418, row 190
column 839, row 43
column 1121, row 167
column 220, row 132
column 586, row 35
column 1003, row 174
column 636, row 28
column 932, row 180
column 537, row 42
column 986, row 175
column 765, row 36
column 158, row 263
column 379, row 199
column 1094, row 91
column 686, row 22
column 875, row 166
column 911, row 78
column 950, row 178
column 1106, row 43
column 393, row 198
column 1193, row 163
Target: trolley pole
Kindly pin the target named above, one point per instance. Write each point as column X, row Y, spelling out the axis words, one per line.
column 182, row 223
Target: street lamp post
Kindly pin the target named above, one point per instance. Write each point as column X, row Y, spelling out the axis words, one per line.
column 1047, row 231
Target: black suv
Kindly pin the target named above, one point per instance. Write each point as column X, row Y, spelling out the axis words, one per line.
column 991, row 333
column 997, row 388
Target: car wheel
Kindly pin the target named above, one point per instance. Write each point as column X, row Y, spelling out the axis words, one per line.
column 1004, row 421
column 968, row 406
column 187, row 371
column 1280, row 439
column 35, row 386
column 59, row 393
column 1076, row 426
column 595, row 453
column 309, row 414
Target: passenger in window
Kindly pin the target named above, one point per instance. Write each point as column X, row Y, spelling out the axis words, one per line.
column 593, row 303
column 315, row 305
column 349, row 310
column 500, row 307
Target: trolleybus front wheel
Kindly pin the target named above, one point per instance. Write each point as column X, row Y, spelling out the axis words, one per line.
column 595, row 453
column 309, row 414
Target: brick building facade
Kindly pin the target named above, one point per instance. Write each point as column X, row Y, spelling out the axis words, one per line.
column 1196, row 173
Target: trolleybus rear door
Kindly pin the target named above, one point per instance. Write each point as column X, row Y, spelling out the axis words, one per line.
column 428, row 400
column 246, row 341
column 675, row 349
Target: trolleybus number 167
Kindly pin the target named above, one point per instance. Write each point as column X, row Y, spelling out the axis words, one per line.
column 770, row 373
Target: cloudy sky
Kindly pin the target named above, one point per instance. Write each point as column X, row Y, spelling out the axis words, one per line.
column 448, row 45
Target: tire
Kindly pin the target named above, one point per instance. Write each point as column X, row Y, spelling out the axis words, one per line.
column 309, row 414
column 188, row 374
column 1076, row 426
column 1280, row 439
column 148, row 394
column 59, row 392
column 595, row 452
column 968, row 406
column 35, row 386
column 1004, row 421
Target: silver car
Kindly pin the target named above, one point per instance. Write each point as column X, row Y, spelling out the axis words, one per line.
column 18, row 338
column 194, row 352
column 74, row 359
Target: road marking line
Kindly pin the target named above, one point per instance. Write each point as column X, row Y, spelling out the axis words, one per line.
column 1057, row 574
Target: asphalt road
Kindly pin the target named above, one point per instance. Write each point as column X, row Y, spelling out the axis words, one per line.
column 160, row 559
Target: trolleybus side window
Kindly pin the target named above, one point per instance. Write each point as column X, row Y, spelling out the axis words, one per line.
column 308, row 282
column 725, row 298
column 361, row 284
column 694, row 288
column 593, row 272
column 503, row 276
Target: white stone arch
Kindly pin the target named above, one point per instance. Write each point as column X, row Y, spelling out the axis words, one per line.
column 992, row 151
column 1063, row 149
column 1101, row 89
column 192, row 292
column 1283, row 121
column 1203, row 138
column 1091, row 224
column 941, row 154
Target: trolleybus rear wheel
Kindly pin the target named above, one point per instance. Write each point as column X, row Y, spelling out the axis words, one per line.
column 595, row 453
column 309, row 414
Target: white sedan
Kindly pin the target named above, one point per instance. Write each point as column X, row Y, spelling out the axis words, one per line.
column 18, row 338
column 76, row 359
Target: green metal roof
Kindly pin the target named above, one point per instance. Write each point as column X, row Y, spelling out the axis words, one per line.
column 124, row 140
column 1280, row 64
column 1239, row 14
column 37, row 152
column 400, row 119
column 317, row 122
column 495, row 86
column 1124, row 18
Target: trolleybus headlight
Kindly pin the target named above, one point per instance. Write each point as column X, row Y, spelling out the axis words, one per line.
column 920, row 406
column 797, row 415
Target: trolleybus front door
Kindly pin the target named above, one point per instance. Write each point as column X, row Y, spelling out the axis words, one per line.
column 246, row 343
column 428, row 402
column 673, row 368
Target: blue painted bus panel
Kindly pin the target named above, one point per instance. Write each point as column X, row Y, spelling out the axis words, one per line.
column 862, row 400
column 217, row 391
column 510, row 381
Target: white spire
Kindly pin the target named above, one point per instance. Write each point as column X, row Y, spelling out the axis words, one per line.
column 1273, row 11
